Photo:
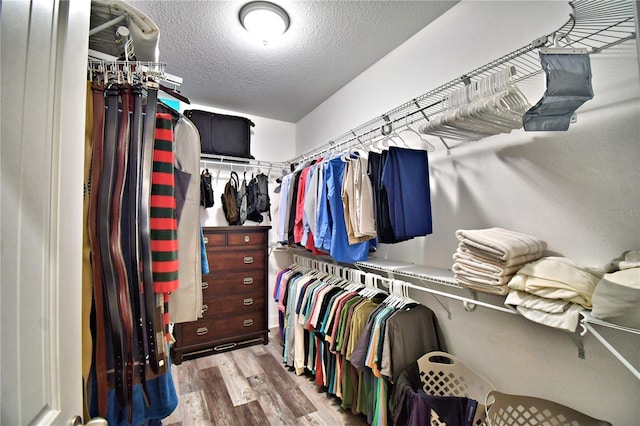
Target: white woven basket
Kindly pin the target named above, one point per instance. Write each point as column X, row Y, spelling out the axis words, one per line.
column 452, row 378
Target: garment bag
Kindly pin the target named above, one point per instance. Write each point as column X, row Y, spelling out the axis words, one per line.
column 568, row 87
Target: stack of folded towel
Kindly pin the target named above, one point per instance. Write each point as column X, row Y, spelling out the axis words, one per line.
column 486, row 259
column 552, row 291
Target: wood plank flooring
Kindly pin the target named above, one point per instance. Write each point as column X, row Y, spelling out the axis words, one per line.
column 251, row 386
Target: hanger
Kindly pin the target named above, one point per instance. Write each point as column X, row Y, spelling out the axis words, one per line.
column 174, row 93
column 408, row 128
column 487, row 107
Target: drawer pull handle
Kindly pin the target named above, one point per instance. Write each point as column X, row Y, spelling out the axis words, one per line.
column 248, row 259
column 248, row 281
column 247, row 323
column 248, row 302
column 205, row 308
column 225, row 346
column 205, row 285
column 206, row 240
column 202, row 331
column 247, row 238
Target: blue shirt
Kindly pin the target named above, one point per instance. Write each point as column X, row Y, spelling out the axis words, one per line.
column 406, row 179
column 324, row 223
column 340, row 249
column 282, row 213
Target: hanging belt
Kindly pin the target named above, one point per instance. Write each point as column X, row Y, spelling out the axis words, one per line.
column 144, row 221
column 133, row 181
column 115, row 240
column 111, row 289
column 98, row 298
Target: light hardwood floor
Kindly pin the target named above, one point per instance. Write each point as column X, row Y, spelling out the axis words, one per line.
column 251, row 386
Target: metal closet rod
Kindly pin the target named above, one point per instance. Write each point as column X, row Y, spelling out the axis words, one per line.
column 469, row 303
column 593, row 24
column 230, row 161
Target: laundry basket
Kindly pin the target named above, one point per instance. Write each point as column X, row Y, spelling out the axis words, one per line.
column 507, row 410
column 442, row 374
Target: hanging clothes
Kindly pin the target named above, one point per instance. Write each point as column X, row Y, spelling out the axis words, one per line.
column 357, row 199
column 284, row 211
column 406, row 179
column 354, row 346
column 338, row 243
column 185, row 303
column 384, row 226
column 127, row 381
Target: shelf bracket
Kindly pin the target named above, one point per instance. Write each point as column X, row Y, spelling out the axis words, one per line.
column 577, row 339
column 470, row 306
column 443, row 306
column 584, row 322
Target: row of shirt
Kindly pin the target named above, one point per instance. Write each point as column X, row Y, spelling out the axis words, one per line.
column 344, row 205
column 355, row 344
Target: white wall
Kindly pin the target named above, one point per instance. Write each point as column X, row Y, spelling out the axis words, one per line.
column 271, row 140
column 577, row 190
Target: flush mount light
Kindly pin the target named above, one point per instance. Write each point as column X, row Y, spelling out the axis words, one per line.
column 264, row 20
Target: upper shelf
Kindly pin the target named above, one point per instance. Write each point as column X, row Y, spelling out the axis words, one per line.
column 594, row 25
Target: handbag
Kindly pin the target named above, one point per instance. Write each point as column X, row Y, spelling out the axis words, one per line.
column 206, row 189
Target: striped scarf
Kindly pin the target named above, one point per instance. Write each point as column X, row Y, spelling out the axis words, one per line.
column 164, row 225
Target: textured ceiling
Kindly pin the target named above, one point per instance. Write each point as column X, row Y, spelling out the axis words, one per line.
column 327, row 45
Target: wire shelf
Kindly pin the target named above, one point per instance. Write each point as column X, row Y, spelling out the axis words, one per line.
column 593, row 24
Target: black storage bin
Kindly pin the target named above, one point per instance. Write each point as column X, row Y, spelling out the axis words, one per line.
column 222, row 134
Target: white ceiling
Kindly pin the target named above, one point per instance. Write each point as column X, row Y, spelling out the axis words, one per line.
column 327, row 45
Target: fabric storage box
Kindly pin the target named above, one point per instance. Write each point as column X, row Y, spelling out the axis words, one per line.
column 222, row 134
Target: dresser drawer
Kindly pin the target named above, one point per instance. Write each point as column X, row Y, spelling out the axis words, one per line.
column 246, row 238
column 242, row 303
column 235, row 259
column 234, row 294
column 204, row 330
column 215, row 240
column 222, row 282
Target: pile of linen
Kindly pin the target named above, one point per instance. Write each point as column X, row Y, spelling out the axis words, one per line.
column 552, row 291
column 487, row 259
column 616, row 298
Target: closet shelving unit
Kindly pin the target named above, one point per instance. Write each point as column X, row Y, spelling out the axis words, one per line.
column 430, row 275
column 245, row 164
column 594, row 25
column 587, row 322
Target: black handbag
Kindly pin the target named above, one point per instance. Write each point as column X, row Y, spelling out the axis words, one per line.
column 222, row 134
column 206, row 189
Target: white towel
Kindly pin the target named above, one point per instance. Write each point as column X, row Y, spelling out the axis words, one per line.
column 471, row 275
column 485, row 288
column 472, row 263
column 500, row 244
column 558, row 278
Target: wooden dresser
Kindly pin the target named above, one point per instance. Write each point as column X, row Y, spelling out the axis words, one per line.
column 234, row 294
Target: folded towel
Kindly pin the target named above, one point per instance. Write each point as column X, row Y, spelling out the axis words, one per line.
column 473, row 263
column 500, row 244
column 487, row 279
column 484, row 288
column 558, row 278
column 482, row 256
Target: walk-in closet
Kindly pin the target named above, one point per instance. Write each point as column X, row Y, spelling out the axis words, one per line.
column 373, row 212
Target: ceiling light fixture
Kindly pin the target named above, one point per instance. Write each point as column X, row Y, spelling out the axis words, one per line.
column 264, row 20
